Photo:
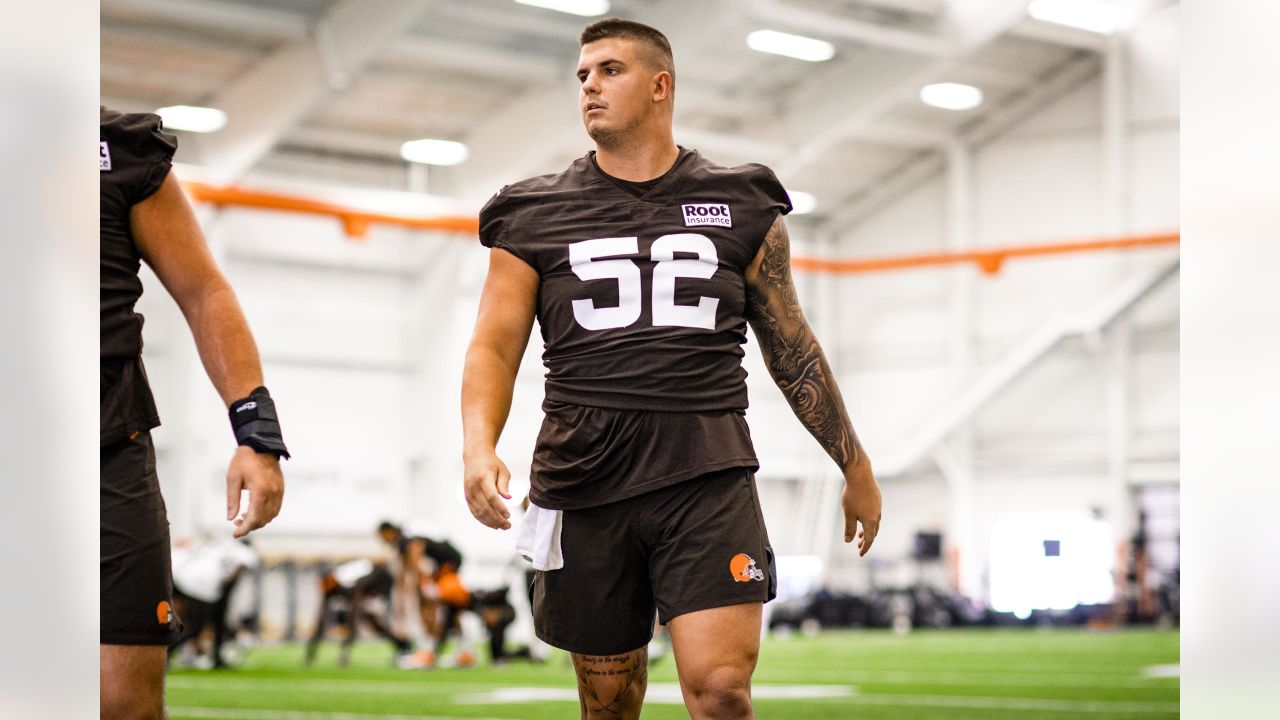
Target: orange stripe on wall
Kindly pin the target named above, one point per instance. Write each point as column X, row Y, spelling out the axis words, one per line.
column 356, row 223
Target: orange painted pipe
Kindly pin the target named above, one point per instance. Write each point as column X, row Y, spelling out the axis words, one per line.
column 989, row 260
column 356, row 222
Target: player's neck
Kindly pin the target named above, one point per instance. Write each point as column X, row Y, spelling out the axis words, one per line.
column 638, row 161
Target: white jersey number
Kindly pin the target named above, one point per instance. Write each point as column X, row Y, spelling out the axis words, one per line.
column 586, row 260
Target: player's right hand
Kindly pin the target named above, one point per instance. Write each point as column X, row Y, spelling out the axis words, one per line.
column 485, row 480
column 259, row 473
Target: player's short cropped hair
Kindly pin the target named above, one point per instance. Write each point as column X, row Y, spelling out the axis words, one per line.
column 656, row 47
column 387, row 525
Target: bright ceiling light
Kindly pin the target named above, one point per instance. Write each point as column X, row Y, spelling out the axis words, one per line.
column 793, row 46
column 585, row 8
column 802, row 203
column 192, row 119
column 1099, row 16
column 951, row 96
column 434, row 152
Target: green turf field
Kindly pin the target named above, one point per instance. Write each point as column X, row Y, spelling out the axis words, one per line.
column 929, row 675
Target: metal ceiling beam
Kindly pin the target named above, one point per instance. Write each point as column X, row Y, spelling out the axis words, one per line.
column 983, row 130
column 1052, row 33
column 919, row 7
column 989, row 77
column 719, row 145
column 279, row 91
column 258, row 20
column 1017, row 108
column 451, row 54
column 510, row 18
column 345, row 140
column 903, row 134
column 791, row 17
column 967, row 25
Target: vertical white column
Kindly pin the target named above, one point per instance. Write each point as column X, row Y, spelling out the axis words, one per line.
column 959, row 471
column 1115, row 204
column 1115, row 135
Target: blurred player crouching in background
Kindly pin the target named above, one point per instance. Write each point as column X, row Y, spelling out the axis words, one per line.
column 357, row 590
column 205, row 574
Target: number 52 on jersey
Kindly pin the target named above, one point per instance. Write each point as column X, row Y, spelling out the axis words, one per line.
column 597, row 260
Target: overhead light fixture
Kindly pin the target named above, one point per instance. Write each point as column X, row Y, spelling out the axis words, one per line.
column 1100, row 16
column 434, row 152
column 192, row 118
column 792, row 46
column 951, row 96
column 802, row 203
column 584, row 8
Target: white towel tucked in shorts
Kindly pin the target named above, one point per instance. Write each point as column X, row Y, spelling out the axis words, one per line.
column 539, row 538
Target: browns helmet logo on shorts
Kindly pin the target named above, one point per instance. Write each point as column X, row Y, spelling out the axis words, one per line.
column 164, row 613
column 744, row 569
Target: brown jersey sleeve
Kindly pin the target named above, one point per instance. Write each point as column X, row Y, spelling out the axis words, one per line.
column 498, row 218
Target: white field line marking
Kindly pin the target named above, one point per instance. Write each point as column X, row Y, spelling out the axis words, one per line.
column 999, row 703
column 657, row 693
column 430, row 684
column 263, row 714
column 372, row 687
column 994, row 667
column 903, row 677
column 669, row 693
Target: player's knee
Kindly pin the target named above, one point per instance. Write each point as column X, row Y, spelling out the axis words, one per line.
column 723, row 692
column 610, row 701
column 625, row 705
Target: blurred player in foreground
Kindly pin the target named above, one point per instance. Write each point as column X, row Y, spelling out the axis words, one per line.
column 144, row 216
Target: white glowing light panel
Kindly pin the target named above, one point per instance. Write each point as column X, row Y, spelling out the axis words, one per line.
column 1026, row 575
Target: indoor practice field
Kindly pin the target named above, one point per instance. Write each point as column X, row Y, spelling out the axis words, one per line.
column 1064, row 674
column 524, row 352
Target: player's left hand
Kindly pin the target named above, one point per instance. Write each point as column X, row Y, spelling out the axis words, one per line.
column 862, row 504
column 259, row 473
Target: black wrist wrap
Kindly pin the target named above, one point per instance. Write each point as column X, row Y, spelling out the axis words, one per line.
column 254, row 421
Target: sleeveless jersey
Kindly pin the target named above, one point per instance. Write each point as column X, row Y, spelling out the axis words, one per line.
column 134, row 157
column 641, row 306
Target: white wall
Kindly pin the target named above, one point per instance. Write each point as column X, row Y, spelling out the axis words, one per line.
column 1045, row 441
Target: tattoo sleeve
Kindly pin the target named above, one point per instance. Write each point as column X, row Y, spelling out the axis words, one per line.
column 791, row 352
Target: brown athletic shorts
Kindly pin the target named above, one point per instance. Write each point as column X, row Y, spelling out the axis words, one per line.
column 136, row 593
column 692, row 546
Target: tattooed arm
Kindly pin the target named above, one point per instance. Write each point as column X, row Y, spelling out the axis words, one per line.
column 795, row 360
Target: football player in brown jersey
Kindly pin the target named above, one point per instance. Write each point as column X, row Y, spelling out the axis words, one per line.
column 145, row 216
column 643, row 263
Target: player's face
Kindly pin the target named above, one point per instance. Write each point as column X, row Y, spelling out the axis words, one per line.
column 616, row 93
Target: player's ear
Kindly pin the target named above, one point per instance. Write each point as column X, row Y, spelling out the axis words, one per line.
column 663, row 84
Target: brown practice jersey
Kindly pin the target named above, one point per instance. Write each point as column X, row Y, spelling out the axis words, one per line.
column 641, row 305
column 134, row 157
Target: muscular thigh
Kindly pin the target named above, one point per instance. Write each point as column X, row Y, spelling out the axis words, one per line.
column 723, row 641
column 131, row 680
